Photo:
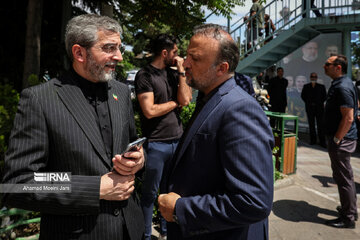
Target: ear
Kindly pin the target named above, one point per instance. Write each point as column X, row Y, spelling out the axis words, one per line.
column 79, row 53
column 222, row 68
column 164, row 53
column 339, row 67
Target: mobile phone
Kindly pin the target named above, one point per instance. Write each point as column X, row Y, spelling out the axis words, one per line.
column 133, row 146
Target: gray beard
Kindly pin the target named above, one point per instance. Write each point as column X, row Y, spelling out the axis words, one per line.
column 98, row 72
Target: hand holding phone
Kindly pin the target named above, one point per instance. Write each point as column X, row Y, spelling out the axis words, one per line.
column 134, row 146
column 128, row 165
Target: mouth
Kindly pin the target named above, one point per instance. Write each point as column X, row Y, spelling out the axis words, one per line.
column 111, row 66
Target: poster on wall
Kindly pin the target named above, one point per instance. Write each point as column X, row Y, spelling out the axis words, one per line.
column 301, row 63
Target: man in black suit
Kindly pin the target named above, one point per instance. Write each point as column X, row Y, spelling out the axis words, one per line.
column 80, row 123
column 314, row 96
column 277, row 91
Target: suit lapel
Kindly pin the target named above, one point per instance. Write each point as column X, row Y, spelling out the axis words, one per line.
column 116, row 107
column 204, row 113
column 79, row 108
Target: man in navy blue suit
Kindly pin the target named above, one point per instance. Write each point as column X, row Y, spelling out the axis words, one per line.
column 219, row 184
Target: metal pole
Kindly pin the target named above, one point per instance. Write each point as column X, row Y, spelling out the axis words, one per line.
column 308, row 6
column 346, row 41
column 228, row 24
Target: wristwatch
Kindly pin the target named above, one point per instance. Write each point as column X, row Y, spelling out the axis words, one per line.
column 336, row 140
column 182, row 74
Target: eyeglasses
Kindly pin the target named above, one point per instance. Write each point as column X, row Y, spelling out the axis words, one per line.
column 329, row 64
column 313, row 76
column 112, row 48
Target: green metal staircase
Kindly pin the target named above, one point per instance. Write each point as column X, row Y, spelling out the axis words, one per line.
column 293, row 30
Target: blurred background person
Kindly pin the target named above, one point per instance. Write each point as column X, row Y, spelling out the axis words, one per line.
column 277, row 91
column 285, row 14
column 269, row 28
column 314, row 96
column 257, row 23
column 312, row 5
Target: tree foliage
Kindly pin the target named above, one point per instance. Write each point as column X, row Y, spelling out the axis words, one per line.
column 140, row 19
column 144, row 19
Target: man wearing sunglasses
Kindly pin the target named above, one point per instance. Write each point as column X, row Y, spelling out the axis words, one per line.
column 79, row 124
column 340, row 114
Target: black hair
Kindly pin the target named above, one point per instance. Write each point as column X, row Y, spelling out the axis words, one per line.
column 161, row 42
column 342, row 61
column 228, row 50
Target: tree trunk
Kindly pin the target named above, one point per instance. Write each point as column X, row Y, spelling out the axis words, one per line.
column 107, row 10
column 32, row 40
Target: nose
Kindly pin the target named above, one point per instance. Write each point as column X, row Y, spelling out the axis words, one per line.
column 117, row 56
column 186, row 63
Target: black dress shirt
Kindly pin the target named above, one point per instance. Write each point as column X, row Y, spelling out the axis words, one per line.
column 96, row 95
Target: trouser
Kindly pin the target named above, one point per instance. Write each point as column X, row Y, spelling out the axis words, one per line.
column 158, row 153
column 315, row 113
column 316, row 12
column 343, row 175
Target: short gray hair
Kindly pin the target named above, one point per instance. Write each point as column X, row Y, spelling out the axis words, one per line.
column 228, row 50
column 83, row 30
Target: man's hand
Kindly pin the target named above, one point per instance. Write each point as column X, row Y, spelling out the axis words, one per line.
column 179, row 63
column 130, row 162
column 167, row 205
column 116, row 187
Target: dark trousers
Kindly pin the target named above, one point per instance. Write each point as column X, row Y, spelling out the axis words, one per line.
column 317, row 12
column 158, row 153
column 343, row 175
column 315, row 113
column 276, row 108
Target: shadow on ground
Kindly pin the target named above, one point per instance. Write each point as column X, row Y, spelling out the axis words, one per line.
column 326, row 180
column 300, row 211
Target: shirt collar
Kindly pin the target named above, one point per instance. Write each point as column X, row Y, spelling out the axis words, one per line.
column 90, row 88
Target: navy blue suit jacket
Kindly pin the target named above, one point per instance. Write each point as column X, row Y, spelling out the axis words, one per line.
column 223, row 171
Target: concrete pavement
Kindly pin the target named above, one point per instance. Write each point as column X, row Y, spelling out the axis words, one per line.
column 305, row 200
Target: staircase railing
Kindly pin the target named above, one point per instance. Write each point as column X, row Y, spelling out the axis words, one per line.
column 284, row 14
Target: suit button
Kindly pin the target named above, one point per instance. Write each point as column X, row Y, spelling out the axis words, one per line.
column 116, row 212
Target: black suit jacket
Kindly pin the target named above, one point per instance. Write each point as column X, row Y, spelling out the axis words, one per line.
column 314, row 97
column 55, row 131
column 277, row 92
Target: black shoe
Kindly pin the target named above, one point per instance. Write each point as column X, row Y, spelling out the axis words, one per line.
column 340, row 223
column 338, row 208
